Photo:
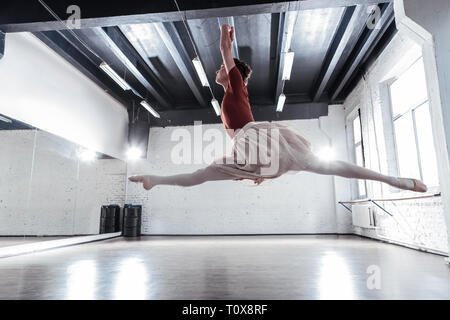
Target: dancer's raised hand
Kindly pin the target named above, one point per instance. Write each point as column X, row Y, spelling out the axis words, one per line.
column 226, row 37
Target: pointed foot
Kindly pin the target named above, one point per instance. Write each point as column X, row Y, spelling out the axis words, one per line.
column 419, row 186
column 145, row 180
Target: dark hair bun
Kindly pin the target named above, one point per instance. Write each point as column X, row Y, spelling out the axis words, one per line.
column 244, row 69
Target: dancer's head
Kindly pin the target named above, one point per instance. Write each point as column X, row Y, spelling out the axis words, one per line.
column 244, row 69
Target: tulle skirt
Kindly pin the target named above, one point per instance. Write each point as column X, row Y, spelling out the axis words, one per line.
column 265, row 150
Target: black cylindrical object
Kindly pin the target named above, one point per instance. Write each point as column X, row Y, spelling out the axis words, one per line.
column 103, row 219
column 124, row 214
column 131, row 222
column 117, row 217
column 110, row 220
column 140, row 219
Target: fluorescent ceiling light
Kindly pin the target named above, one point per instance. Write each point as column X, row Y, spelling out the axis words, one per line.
column 280, row 104
column 200, row 71
column 134, row 153
column 110, row 72
column 149, row 108
column 288, row 62
column 216, row 106
column 5, row 119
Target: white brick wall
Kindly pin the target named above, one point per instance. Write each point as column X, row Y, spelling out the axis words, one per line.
column 301, row 203
column 62, row 196
column 16, row 155
column 100, row 183
column 417, row 223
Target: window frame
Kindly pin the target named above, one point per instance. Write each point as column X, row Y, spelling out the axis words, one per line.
column 351, row 141
column 411, row 111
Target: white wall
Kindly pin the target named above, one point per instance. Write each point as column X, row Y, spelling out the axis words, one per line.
column 300, row 203
column 16, row 156
column 46, row 190
column 40, row 88
column 419, row 224
column 427, row 24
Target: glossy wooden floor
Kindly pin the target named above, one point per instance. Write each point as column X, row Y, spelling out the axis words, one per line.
column 252, row 267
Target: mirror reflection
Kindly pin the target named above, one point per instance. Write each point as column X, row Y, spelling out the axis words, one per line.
column 51, row 188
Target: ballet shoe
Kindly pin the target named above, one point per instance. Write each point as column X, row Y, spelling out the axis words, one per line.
column 419, row 186
column 145, row 180
column 135, row 178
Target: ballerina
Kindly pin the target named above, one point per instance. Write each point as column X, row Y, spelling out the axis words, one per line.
column 284, row 150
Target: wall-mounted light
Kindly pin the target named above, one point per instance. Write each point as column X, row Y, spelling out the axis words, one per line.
column 280, row 104
column 326, row 154
column 87, row 155
column 288, row 62
column 200, row 71
column 216, row 106
column 149, row 108
column 134, row 153
column 113, row 75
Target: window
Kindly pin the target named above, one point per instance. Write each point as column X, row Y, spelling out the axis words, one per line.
column 358, row 148
column 416, row 157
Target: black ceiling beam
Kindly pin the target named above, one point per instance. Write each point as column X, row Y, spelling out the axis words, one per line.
column 74, row 40
column 385, row 35
column 13, row 17
column 275, row 47
column 361, row 49
column 171, row 38
column 127, row 54
column 13, row 124
column 63, row 45
column 378, row 47
column 293, row 98
column 2, row 44
column 261, row 113
column 344, row 36
column 144, row 54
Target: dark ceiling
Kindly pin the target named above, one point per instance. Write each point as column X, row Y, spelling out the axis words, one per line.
column 7, row 123
column 149, row 46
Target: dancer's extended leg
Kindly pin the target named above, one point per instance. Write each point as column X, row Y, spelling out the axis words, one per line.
column 185, row 180
column 348, row 170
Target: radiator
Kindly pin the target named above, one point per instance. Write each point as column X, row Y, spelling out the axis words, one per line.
column 363, row 215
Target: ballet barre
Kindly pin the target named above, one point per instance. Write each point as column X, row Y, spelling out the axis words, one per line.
column 374, row 201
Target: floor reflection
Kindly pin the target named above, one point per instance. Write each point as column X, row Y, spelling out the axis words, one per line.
column 335, row 279
column 131, row 281
column 81, row 280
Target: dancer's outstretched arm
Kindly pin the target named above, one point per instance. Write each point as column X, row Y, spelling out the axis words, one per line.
column 226, row 45
column 185, row 180
column 348, row 170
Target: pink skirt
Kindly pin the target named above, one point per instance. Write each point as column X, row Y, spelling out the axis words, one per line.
column 265, row 150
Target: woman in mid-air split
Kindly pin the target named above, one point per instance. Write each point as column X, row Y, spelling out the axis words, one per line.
column 283, row 150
